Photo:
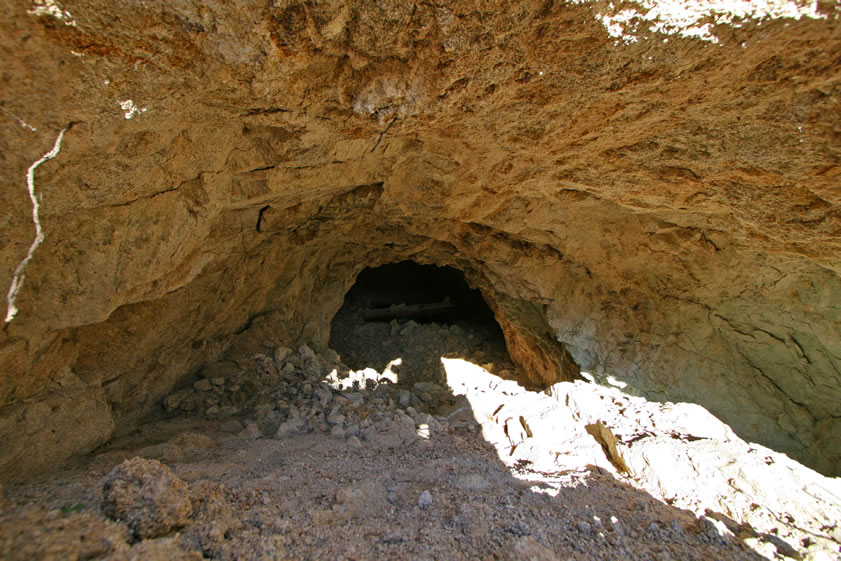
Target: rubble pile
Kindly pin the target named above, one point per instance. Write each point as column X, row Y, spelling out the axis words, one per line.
column 276, row 453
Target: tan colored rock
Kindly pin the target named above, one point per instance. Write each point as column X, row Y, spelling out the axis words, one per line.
column 147, row 496
column 668, row 208
column 74, row 533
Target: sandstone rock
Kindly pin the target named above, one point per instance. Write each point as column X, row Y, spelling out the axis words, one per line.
column 36, row 533
column 55, row 425
column 619, row 211
column 203, row 385
column 147, row 496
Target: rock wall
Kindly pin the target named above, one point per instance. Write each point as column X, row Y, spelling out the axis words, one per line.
column 663, row 197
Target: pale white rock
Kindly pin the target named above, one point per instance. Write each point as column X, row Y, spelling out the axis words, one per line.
column 425, row 499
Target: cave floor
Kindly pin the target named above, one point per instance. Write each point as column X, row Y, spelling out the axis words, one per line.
column 292, row 455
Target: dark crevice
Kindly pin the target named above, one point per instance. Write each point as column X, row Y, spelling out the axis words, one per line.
column 382, row 134
column 152, row 196
column 771, row 380
column 260, row 216
column 803, row 354
column 263, row 111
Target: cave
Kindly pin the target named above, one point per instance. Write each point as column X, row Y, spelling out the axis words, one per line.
column 406, row 316
column 641, row 197
column 409, row 291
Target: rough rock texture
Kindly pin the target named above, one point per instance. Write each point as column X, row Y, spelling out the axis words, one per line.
column 147, row 496
column 35, row 533
column 667, row 209
column 471, row 466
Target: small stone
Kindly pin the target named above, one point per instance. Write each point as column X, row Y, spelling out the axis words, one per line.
column 218, row 381
column 355, row 442
column 202, row 385
column 174, row 400
column 250, row 432
column 325, row 396
column 425, row 500
column 653, row 527
column 331, row 356
column 584, row 528
column 147, row 496
column 355, row 399
column 677, row 527
column 337, row 432
column 336, row 419
column 212, row 410
column 405, row 421
column 293, row 425
column 306, row 352
column 715, row 530
column 393, row 537
column 280, row 355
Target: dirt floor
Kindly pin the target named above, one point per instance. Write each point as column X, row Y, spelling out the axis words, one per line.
column 282, row 454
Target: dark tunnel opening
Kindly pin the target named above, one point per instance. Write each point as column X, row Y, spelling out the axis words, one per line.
column 415, row 313
column 408, row 291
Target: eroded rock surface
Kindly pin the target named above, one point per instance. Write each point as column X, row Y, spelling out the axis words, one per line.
column 147, row 496
column 375, row 469
column 666, row 209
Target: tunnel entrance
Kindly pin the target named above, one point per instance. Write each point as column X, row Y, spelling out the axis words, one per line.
column 405, row 317
column 408, row 291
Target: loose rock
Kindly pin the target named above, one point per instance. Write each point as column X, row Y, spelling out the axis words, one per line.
column 147, row 496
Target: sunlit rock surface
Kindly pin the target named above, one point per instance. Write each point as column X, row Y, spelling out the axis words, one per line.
column 677, row 452
column 662, row 205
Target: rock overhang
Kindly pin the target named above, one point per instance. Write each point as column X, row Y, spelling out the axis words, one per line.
column 664, row 209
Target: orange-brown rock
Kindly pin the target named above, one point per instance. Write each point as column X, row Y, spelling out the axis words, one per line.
column 667, row 209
